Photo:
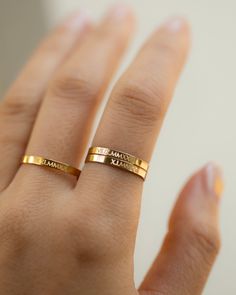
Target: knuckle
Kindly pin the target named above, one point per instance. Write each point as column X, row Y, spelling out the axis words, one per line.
column 166, row 48
column 17, row 107
column 52, row 44
column 75, row 88
column 83, row 237
column 170, row 54
column 89, row 234
column 199, row 242
column 141, row 102
column 106, row 35
column 49, row 46
column 206, row 241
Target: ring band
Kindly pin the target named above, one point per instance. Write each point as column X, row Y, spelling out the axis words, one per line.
column 108, row 160
column 41, row 161
column 119, row 155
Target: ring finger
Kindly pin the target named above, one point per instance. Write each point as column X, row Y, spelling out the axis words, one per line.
column 131, row 123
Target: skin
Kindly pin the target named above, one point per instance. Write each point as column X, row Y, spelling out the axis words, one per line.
column 63, row 236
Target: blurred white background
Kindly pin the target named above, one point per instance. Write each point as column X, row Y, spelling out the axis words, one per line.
column 200, row 125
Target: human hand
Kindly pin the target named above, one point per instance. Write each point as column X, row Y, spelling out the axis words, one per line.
column 63, row 236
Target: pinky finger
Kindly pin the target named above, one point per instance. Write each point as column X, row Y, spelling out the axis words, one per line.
column 192, row 243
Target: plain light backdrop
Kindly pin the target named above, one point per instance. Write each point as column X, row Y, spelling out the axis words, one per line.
column 200, row 125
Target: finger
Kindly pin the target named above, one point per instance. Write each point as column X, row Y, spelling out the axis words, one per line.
column 133, row 118
column 192, row 243
column 67, row 114
column 19, row 108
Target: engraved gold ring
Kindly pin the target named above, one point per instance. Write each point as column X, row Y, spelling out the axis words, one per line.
column 41, row 161
column 118, row 159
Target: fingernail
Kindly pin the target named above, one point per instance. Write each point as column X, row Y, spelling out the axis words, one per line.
column 118, row 12
column 78, row 20
column 175, row 25
column 214, row 179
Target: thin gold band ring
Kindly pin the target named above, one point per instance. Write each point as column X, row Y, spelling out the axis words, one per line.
column 108, row 160
column 41, row 161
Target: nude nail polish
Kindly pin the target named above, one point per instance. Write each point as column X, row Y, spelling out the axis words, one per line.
column 78, row 20
column 118, row 12
column 175, row 24
column 214, row 180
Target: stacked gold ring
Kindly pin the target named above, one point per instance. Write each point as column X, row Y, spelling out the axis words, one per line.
column 118, row 159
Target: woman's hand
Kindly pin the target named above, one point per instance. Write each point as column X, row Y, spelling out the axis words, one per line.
column 62, row 236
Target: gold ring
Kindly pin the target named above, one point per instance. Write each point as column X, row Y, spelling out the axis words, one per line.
column 41, row 161
column 108, row 160
column 119, row 155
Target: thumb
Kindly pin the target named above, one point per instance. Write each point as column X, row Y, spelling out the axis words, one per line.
column 192, row 242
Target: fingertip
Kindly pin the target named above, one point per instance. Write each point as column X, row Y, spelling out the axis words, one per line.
column 198, row 201
column 120, row 11
column 79, row 20
column 120, row 20
column 206, row 182
column 176, row 24
column 213, row 176
column 122, row 16
column 178, row 28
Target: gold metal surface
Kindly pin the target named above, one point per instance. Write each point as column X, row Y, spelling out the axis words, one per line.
column 108, row 160
column 41, row 161
column 122, row 156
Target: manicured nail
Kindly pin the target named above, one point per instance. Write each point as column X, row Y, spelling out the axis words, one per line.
column 214, row 179
column 118, row 12
column 78, row 20
column 175, row 24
